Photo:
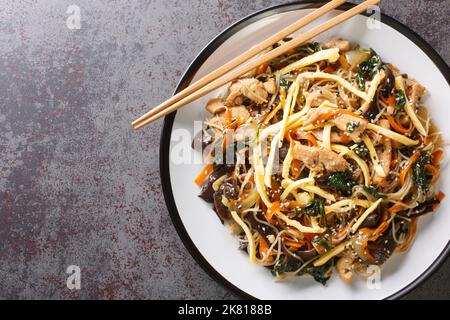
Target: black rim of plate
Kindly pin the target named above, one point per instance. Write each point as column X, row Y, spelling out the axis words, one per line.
column 186, row 79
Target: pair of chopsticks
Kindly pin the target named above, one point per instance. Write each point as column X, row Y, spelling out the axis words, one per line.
column 227, row 72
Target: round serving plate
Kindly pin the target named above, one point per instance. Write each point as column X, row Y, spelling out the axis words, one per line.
column 211, row 244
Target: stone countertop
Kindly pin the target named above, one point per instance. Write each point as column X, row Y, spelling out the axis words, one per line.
column 77, row 185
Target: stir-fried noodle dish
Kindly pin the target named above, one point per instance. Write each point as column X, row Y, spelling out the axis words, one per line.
column 323, row 158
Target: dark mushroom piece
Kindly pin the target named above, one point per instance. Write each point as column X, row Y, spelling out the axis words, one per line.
column 222, row 210
column 207, row 192
column 373, row 219
column 384, row 247
column 201, row 138
column 264, row 230
column 373, row 109
column 388, row 85
column 422, row 209
column 230, row 188
column 306, row 255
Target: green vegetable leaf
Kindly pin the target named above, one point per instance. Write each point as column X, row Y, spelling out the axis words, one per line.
column 400, row 101
column 373, row 191
column 314, row 208
column 361, row 150
column 285, row 84
column 367, row 69
column 352, row 126
column 310, row 47
column 340, row 182
column 315, row 46
column 285, row 265
column 320, row 274
column 323, row 243
column 420, row 174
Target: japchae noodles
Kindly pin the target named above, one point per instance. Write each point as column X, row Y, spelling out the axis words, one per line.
column 323, row 157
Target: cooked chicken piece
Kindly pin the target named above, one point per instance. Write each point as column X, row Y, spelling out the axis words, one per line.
column 352, row 125
column 376, row 138
column 317, row 159
column 417, row 91
column 341, row 44
column 315, row 114
column 384, row 154
column 270, row 86
column 249, row 87
column 335, row 137
column 215, row 105
column 239, row 112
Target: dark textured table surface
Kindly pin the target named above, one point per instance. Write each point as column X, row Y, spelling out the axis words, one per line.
column 77, row 185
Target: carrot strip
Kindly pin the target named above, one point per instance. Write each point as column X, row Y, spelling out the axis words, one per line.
column 308, row 236
column 203, row 174
column 396, row 208
column 272, row 113
column 271, row 211
column 436, row 157
column 261, row 68
column 329, row 69
column 343, row 61
column 263, row 246
column 408, row 167
column 390, row 102
column 295, row 167
column 398, row 127
column 394, row 160
column 228, row 115
column 432, row 170
column 440, row 196
column 302, row 135
column 293, row 204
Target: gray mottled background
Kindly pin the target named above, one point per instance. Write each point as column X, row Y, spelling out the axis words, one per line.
column 77, row 184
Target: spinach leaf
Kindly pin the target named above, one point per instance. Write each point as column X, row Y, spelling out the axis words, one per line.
column 315, row 46
column 352, row 126
column 400, row 101
column 285, row 84
column 323, row 243
column 287, row 264
column 373, row 191
column 314, row 208
column 310, row 47
column 320, row 274
column 420, row 174
column 361, row 150
column 341, row 182
column 367, row 69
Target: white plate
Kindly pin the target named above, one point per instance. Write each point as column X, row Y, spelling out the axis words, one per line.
column 199, row 227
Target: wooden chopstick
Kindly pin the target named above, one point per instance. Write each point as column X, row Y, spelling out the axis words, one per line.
column 233, row 74
column 242, row 58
